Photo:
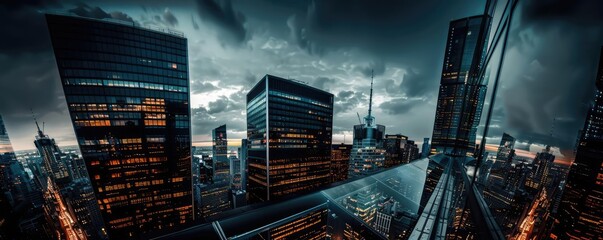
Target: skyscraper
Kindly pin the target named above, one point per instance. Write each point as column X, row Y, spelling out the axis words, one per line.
column 506, row 149
column 461, row 95
column 425, row 148
column 289, row 126
column 221, row 165
column 56, row 167
column 243, row 158
column 340, row 162
column 367, row 154
column 580, row 213
column 215, row 195
column 127, row 91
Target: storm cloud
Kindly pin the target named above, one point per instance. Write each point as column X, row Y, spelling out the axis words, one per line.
column 545, row 88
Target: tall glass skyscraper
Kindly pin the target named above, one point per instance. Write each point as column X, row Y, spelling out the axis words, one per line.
column 580, row 213
column 221, row 165
column 289, row 127
column 461, row 95
column 127, row 91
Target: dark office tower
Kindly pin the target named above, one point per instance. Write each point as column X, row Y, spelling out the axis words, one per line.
column 425, row 148
column 289, row 126
column 243, row 157
column 395, row 150
column 221, row 164
column 461, row 95
column 340, row 162
column 368, row 155
column 580, row 213
column 127, row 91
column 506, row 150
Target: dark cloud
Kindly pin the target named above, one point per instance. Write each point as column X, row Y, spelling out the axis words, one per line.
column 218, row 106
column 324, row 83
column 398, row 106
column 198, row 87
column 222, row 14
column 413, row 84
column 24, row 29
column 348, row 100
column 39, row 81
column 169, row 18
column 224, row 110
column 195, row 25
column 550, row 70
column 376, row 68
column 121, row 16
column 84, row 10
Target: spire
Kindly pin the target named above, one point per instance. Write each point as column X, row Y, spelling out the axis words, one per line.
column 369, row 119
column 371, row 96
column 40, row 133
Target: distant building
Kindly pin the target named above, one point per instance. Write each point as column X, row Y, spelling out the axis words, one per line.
column 394, row 150
column 539, row 176
column 580, row 212
column 127, row 92
column 56, row 167
column 425, row 148
column 340, row 162
column 399, row 150
column 506, row 149
column 289, row 127
column 242, row 154
column 215, row 193
column 221, row 164
column 461, row 95
column 368, row 155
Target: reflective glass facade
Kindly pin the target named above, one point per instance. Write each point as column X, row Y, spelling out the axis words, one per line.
column 411, row 201
column 289, row 127
column 462, row 92
column 127, row 90
column 221, row 165
column 580, row 214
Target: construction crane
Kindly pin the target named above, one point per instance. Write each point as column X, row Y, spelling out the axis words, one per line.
column 360, row 121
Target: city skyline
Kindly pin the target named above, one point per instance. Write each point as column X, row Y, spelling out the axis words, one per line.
column 136, row 95
column 410, row 67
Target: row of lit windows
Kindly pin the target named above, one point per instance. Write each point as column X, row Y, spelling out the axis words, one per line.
column 301, row 99
column 124, row 72
column 128, row 84
column 290, row 108
column 107, row 123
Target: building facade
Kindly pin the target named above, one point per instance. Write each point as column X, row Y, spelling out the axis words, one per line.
column 462, row 92
column 127, row 91
column 220, row 163
column 580, row 213
column 289, row 127
column 340, row 162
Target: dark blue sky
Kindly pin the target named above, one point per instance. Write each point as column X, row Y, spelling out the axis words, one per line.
column 548, row 73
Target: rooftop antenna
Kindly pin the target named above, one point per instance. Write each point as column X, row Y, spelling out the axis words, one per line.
column 40, row 132
column 369, row 118
column 371, row 96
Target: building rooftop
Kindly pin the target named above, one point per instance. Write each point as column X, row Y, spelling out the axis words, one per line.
column 152, row 28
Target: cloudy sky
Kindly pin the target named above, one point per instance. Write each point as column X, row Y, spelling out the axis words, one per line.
column 548, row 72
